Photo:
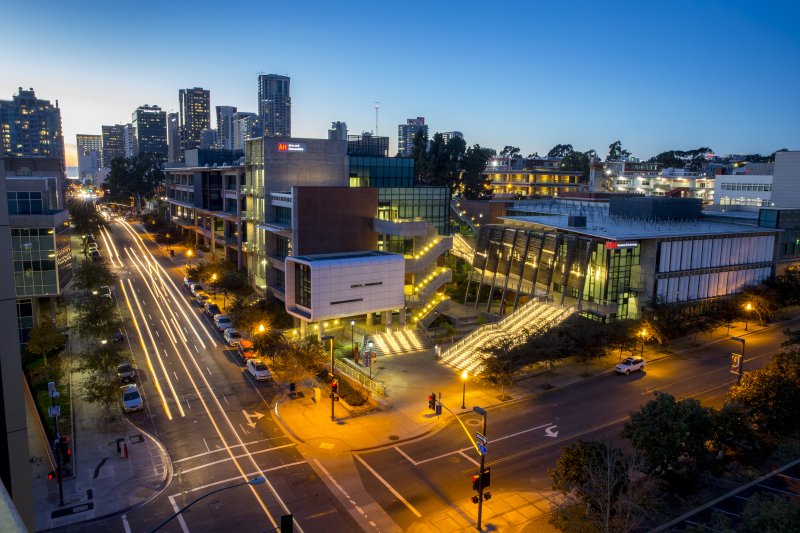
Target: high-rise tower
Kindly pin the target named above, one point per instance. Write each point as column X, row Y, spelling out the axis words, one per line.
column 195, row 116
column 31, row 127
column 150, row 130
column 275, row 104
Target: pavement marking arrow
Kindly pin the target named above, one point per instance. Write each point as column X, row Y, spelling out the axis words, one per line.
column 550, row 433
column 249, row 417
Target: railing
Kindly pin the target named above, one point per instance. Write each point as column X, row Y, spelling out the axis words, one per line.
column 344, row 366
column 430, row 288
column 463, row 248
column 414, row 264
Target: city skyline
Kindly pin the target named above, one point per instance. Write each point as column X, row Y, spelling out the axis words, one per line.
column 655, row 77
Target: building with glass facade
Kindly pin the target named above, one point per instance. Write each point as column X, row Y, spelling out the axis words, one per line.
column 275, row 104
column 406, row 133
column 367, row 144
column 150, row 130
column 90, row 155
column 381, row 171
column 194, row 116
column 31, row 127
column 532, row 182
column 609, row 266
column 113, row 143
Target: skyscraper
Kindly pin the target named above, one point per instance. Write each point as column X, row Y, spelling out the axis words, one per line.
column 406, row 133
column 447, row 135
column 195, row 116
column 246, row 126
column 275, row 104
column 31, row 127
column 338, row 131
column 225, row 115
column 150, row 131
column 90, row 155
column 113, row 143
column 173, row 138
column 129, row 141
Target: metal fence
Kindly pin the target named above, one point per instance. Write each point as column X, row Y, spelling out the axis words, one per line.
column 376, row 387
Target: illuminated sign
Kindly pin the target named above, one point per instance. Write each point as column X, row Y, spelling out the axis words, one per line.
column 613, row 245
column 291, row 147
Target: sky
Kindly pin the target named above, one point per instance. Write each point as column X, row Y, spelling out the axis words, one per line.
column 656, row 75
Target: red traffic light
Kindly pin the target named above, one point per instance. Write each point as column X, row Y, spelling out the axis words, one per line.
column 476, row 482
column 51, row 475
column 334, row 385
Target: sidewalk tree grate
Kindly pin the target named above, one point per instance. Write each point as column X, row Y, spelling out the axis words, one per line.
column 394, row 437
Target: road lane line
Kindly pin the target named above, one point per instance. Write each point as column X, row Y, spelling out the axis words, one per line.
column 209, row 371
column 221, row 450
column 220, row 461
column 404, row 454
column 470, row 459
column 177, row 509
column 248, row 475
column 156, row 383
column 168, row 330
column 158, row 334
column 386, row 484
column 226, row 399
column 186, row 399
column 125, row 525
column 204, row 442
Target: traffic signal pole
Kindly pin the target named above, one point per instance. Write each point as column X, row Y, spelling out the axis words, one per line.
column 483, row 468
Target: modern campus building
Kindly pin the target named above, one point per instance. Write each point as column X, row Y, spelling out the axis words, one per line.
column 612, row 260
column 406, row 133
column 90, row 155
column 194, row 116
column 113, row 143
column 149, row 124
column 651, row 179
column 531, row 182
column 275, row 104
column 31, row 127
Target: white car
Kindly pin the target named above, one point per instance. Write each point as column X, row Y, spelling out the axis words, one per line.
column 631, row 364
column 131, row 399
column 188, row 282
column 232, row 337
column 259, row 370
column 222, row 322
column 195, row 287
column 201, row 298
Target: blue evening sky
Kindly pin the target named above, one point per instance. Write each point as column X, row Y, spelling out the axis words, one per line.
column 656, row 75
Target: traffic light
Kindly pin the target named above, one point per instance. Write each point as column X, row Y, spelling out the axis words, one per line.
column 482, row 481
column 335, row 386
column 476, row 482
column 432, row 401
column 51, row 475
column 64, row 450
column 438, row 408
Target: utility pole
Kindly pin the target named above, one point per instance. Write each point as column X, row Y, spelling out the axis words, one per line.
column 334, row 385
column 54, row 412
column 481, row 473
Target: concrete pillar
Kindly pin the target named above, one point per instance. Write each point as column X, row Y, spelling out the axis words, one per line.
column 303, row 329
column 401, row 318
column 321, row 330
column 387, row 319
column 369, row 319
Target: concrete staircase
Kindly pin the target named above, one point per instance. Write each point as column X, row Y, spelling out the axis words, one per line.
column 396, row 342
column 533, row 317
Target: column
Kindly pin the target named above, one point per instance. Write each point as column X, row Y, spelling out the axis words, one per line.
column 369, row 319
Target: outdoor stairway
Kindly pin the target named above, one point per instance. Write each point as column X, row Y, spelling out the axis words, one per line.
column 395, row 342
column 531, row 318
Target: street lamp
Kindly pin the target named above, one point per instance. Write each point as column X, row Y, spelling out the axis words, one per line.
column 747, row 307
column 258, row 480
column 643, row 334
column 464, row 376
column 261, row 328
column 169, row 249
column 369, row 352
column 189, row 258
column 333, row 376
column 353, row 337
column 214, row 284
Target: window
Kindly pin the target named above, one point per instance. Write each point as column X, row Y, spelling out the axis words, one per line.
column 302, row 285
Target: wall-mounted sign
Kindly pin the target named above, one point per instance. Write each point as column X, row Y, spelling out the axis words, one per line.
column 291, row 147
column 614, row 245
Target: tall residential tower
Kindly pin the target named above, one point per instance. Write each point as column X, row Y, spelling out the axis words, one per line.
column 406, row 133
column 195, row 116
column 275, row 104
column 150, row 131
column 30, row 127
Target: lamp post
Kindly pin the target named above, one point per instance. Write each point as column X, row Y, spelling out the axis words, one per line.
column 464, row 376
column 353, row 336
column 747, row 308
column 55, row 411
column 258, row 480
column 189, row 259
column 333, row 376
column 169, row 242
column 214, row 284
column 643, row 334
column 369, row 351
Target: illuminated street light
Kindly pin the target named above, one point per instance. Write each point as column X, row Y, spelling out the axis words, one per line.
column 189, row 258
column 261, row 328
column 464, row 376
column 643, row 334
column 214, row 283
column 748, row 307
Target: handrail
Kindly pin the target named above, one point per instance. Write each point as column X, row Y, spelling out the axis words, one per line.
column 350, row 371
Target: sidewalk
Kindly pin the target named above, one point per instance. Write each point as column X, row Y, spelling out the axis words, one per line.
column 404, row 416
column 104, row 482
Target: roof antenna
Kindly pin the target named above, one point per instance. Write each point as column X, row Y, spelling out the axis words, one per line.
column 376, row 105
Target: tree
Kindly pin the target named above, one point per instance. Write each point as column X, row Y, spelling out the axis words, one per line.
column 616, row 152
column 135, row 177
column 731, row 429
column 90, row 275
column 762, row 300
column 84, row 215
column 560, row 150
column 101, row 358
column 665, row 430
column 577, row 161
column 509, row 151
column 98, row 317
column 235, row 283
column 419, row 151
column 102, row 388
column 602, row 489
column 45, row 339
column 771, row 399
column 770, row 513
column 270, row 343
column 500, row 363
column 473, row 180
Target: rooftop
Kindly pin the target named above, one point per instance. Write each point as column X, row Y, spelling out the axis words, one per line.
column 350, row 255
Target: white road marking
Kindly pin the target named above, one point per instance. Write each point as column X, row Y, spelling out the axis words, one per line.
column 176, row 375
column 187, row 403
column 206, row 465
column 204, row 442
column 158, row 334
column 181, row 521
column 209, row 371
column 226, row 399
column 404, row 454
column 386, row 484
column 244, row 431
column 125, row 523
column 195, row 348
column 232, row 446
column 229, row 480
column 470, row 459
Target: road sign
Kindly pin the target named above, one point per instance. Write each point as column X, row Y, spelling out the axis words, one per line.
column 482, row 449
column 53, row 411
column 481, row 438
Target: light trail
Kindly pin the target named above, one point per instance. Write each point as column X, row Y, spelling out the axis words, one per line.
column 146, row 354
column 108, row 248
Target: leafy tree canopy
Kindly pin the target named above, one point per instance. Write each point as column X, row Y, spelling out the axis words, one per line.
column 560, row 150
column 135, row 177
column 45, row 339
column 616, row 152
column 473, row 181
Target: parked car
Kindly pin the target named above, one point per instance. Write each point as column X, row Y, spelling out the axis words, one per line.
column 91, row 246
column 126, row 373
column 245, row 349
column 95, row 255
column 188, row 282
column 212, row 309
column 117, row 336
column 631, row 364
column 105, row 291
column 232, row 337
column 131, row 399
column 258, row 369
column 90, row 238
column 222, row 322
column 201, row 298
column 195, row 287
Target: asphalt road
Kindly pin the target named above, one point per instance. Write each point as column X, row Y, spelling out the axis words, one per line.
column 207, row 410
column 413, row 481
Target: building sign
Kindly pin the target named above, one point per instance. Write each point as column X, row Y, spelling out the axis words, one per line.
column 291, row 147
column 613, row 245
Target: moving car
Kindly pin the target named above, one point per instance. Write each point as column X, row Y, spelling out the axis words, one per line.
column 126, row 373
column 201, row 298
column 212, row 310
column 232, row 337
column 245, row 349
column 631, row 364
column 258, row 369
column 131, row 399
column 222, row 322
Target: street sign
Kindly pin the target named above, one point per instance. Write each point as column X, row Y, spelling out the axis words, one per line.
column 482, row 449
column 53, row 411
column 481, row 438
